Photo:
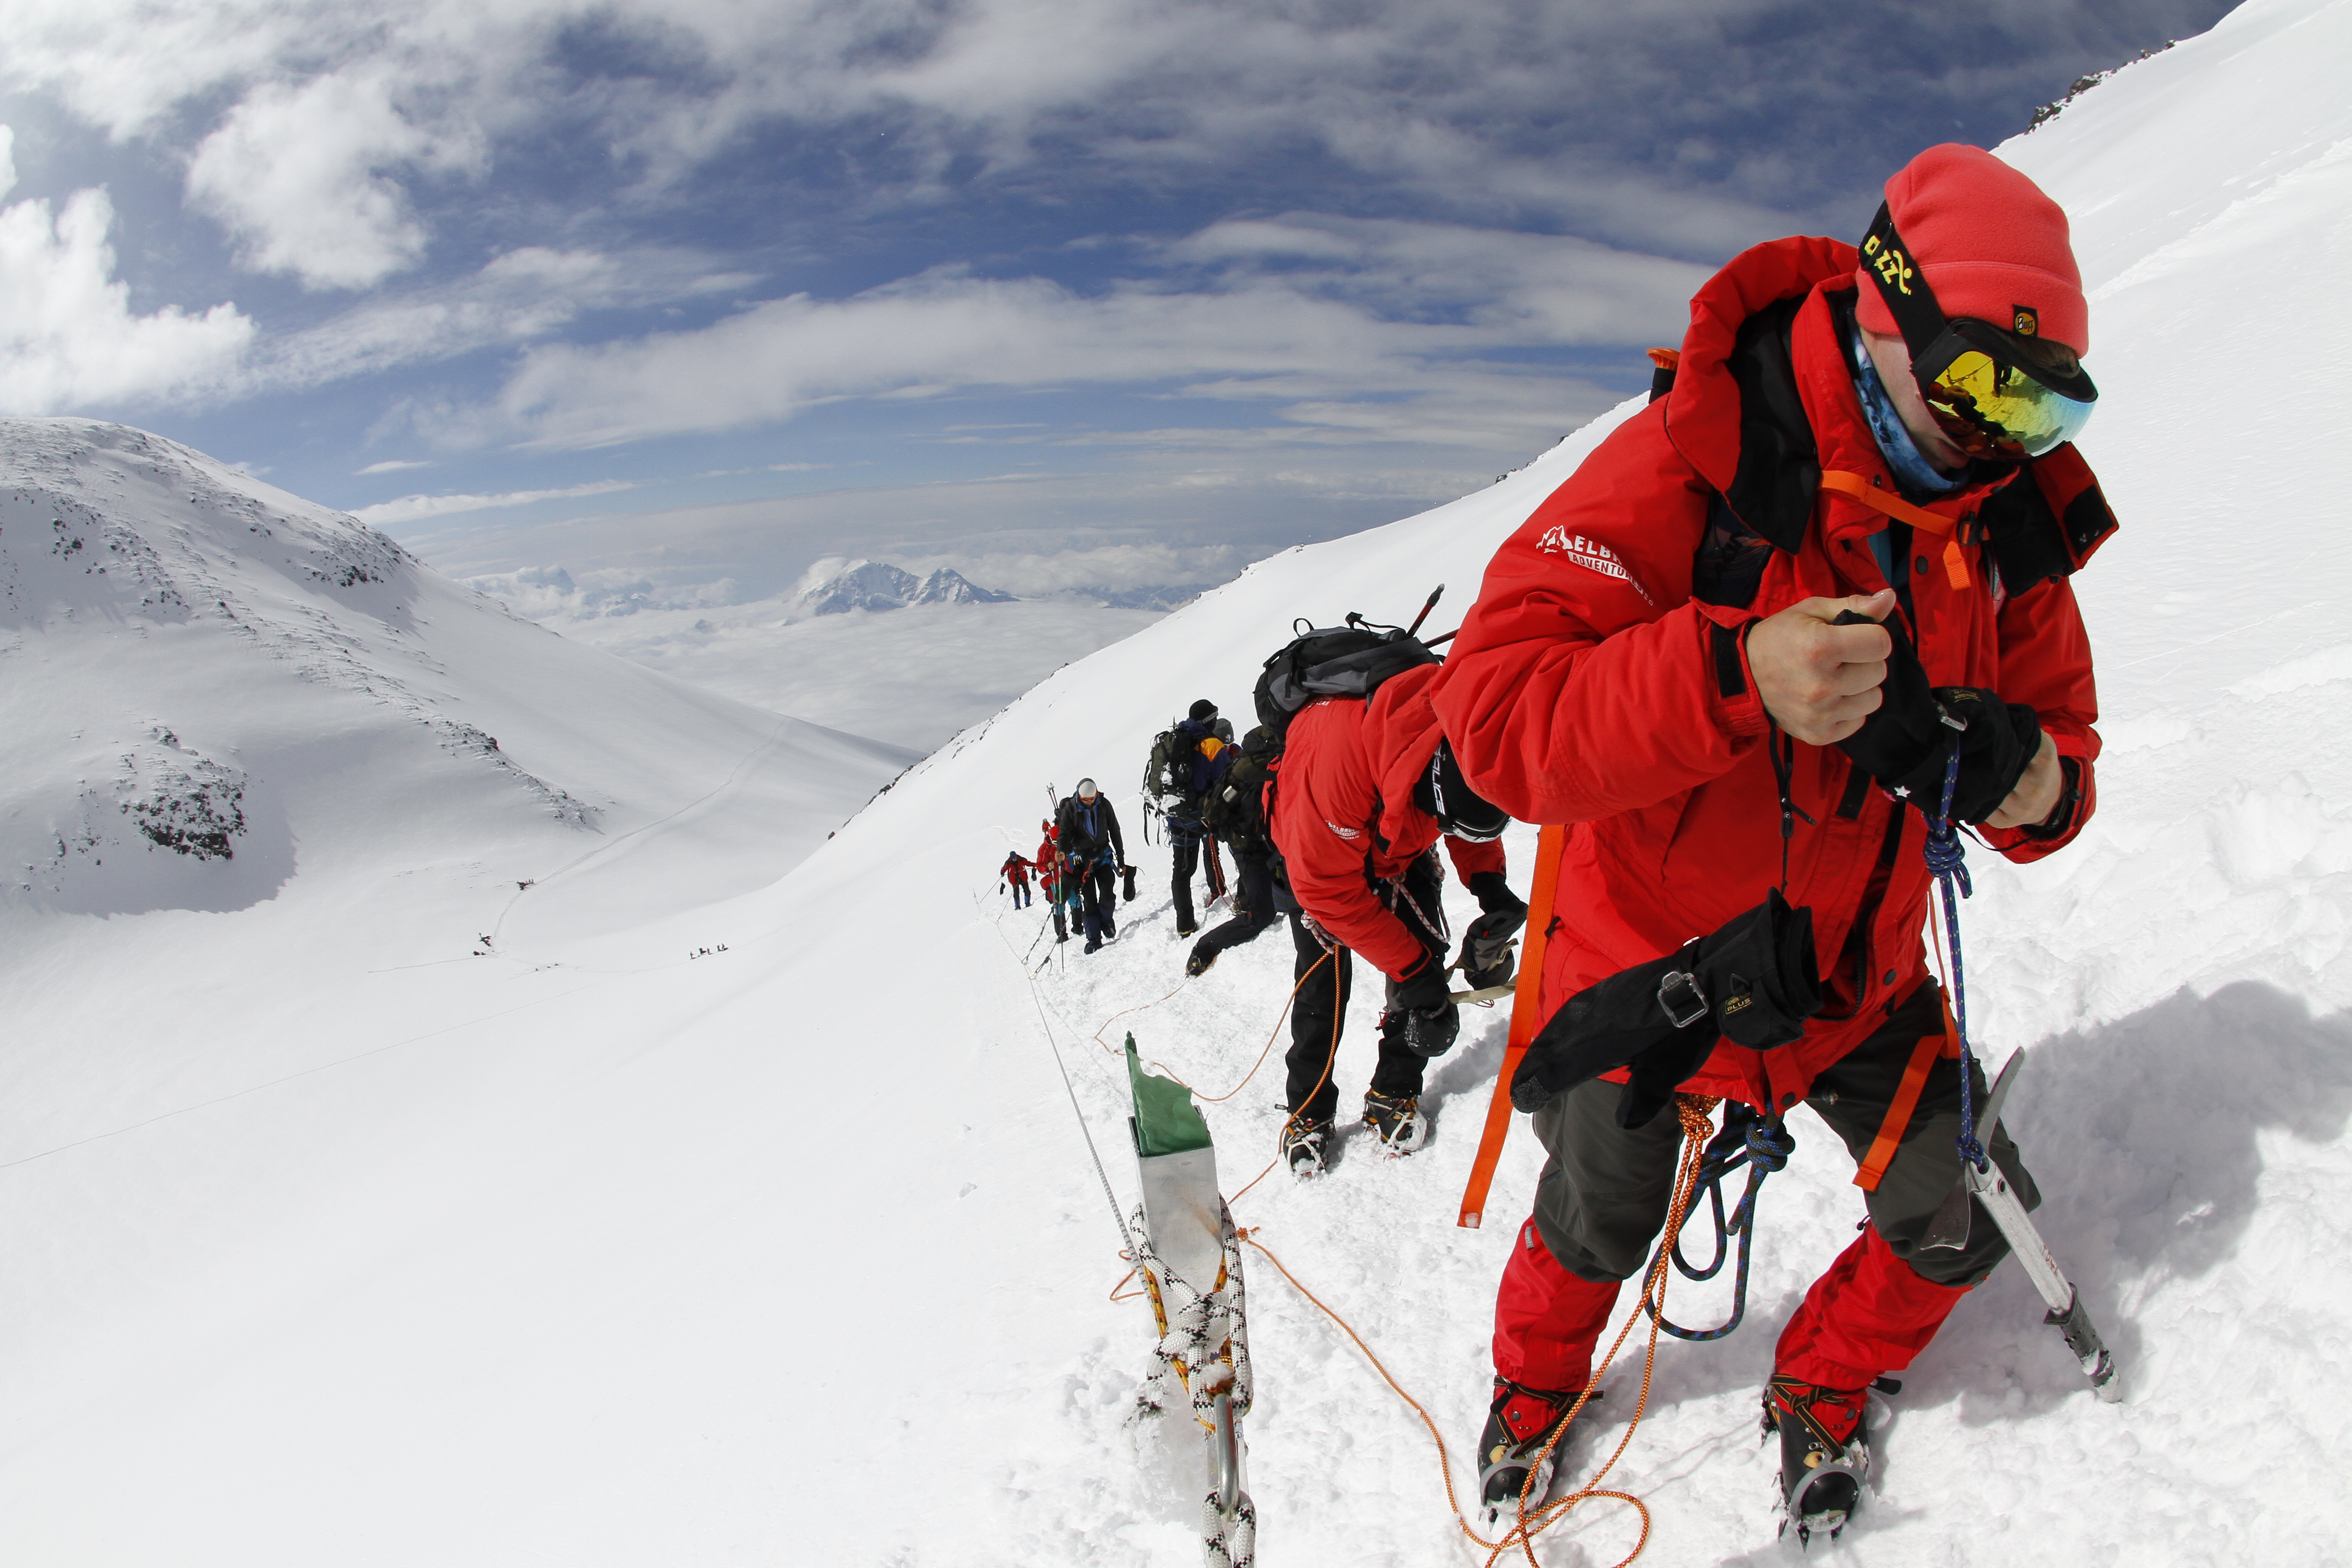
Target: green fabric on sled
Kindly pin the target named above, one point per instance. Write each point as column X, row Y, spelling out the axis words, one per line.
column 1165, row 1121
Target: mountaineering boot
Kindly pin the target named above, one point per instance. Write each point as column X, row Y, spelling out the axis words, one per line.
column 1398, row 1122
column 1519, row 1423
column 1824, row 1452
column 1303, row 1145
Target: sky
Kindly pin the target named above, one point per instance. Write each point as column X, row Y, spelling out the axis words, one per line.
column 713, row 287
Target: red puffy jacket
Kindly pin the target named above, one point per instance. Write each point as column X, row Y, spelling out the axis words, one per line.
column 1590, row 687
column 1344, row 815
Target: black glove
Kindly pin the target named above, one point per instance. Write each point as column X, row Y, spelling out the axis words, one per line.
column 1486, row 944
column 1427, row 1003
column 1905, row 744
column 1755, row 982
column 1129, row 872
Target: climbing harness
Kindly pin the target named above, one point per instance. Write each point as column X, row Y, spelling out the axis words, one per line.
column 1762, row 1144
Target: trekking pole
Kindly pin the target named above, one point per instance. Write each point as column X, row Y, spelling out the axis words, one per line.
column 1425, row 608
column 1982, row 1180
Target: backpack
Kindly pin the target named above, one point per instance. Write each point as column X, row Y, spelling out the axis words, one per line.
column 1176, row 766
column 1342, row 661
column 1236, row 809
column 1157, row 770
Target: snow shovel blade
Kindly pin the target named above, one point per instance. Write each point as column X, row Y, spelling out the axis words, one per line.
column 1948, row 1231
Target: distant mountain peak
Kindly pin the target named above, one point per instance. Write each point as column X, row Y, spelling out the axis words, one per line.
column 948, row 586
column 837, row 585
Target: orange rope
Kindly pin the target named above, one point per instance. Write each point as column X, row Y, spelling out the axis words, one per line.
column 1694, row 1112
column 1338, row 1012
column 1271, row 1038
column 1139, row 1007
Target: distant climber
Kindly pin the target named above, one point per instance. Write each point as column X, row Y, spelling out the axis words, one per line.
column 1014, row 877
column 1233, row 814
column 1093, row 853
column 1050, row 880
column 1188, row 759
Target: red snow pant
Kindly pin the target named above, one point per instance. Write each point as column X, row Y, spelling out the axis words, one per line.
column 1605, row 1190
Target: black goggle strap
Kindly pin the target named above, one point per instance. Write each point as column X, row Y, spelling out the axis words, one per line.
column 1901, row 285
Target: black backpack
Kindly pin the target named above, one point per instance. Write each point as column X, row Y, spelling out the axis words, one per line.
column 1234, row 809
column 1342, row 662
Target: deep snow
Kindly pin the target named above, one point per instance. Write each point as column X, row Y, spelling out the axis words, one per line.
column 793, row 1253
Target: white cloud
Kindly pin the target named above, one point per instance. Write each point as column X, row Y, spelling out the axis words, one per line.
column 410, row 508
column 1312, row 312
column 69, row 337
column 301, row 176
column 394, row 466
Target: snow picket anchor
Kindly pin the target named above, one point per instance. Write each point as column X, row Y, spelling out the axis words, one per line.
column 1981, row 1179
column 1182, row 1234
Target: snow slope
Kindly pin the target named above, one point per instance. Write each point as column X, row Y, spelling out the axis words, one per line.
column 794, row 1253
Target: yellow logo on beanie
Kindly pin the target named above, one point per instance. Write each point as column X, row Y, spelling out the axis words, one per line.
column 2025, row 321
column 1890, row 263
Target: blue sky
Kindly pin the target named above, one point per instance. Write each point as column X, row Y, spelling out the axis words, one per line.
column 923, row 277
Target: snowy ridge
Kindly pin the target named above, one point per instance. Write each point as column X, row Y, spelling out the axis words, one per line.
column 596, row 1254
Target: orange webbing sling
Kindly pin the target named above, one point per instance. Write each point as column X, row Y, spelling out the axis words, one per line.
column 1853, row 486
column 1523, row 1002
column 1945, row 1042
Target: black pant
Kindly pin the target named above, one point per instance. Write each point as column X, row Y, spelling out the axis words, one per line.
column 1099, row 897
column 1256, row 913
column 1605, row 1190
column 1321, row 1002
column 1186, row 843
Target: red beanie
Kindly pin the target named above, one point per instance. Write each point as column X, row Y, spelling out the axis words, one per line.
column 1990, row 245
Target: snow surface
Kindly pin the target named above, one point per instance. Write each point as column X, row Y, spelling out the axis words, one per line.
column 793, row 1253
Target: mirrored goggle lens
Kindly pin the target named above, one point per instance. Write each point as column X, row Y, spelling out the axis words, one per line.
column 1992, row 409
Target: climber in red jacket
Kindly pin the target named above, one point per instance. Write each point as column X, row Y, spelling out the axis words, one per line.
column 1724, row 652
column 1366, row 789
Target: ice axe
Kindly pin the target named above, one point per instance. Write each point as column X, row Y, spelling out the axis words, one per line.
column 1948, row 1231
column 1981, row 1179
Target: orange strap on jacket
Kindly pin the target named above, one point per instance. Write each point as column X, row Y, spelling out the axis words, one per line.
column 1853, row 486
column 1523, row 1002
column 1906, row 1100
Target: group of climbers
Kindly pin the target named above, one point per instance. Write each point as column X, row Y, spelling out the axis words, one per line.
column 1741, row 654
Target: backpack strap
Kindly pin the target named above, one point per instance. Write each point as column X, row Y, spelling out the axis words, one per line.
column 1956, row 532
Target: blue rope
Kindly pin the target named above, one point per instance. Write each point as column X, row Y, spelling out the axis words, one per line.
column 1947, row 862
column 1763, row 1144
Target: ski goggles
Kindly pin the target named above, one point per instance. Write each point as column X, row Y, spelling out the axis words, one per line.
column 1985, row 392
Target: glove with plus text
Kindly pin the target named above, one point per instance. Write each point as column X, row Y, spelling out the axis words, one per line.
column 1906, row 742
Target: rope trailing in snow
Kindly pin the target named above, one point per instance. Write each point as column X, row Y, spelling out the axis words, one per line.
column 1694, row 1112
column 1118, row 1216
